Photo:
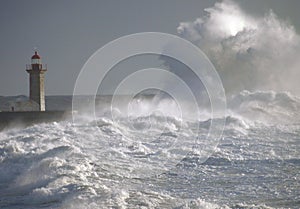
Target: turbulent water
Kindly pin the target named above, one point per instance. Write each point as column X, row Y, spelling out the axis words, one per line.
column 113, row 163
column 162, row 161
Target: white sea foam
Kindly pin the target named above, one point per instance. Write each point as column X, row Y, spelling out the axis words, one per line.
column 148, row 156
column 103, row 164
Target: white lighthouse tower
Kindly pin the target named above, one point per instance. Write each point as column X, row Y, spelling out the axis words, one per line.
column 36, row 72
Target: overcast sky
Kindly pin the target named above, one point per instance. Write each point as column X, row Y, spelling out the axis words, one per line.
column 67, row 32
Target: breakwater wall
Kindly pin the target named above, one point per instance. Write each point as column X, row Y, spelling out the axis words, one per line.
column 23, row 119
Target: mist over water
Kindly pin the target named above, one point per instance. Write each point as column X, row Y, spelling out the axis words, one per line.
column 249, row 52
column 153, row 151
column 141, row 160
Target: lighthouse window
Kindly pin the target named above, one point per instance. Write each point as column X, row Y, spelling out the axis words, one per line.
column 35, row 61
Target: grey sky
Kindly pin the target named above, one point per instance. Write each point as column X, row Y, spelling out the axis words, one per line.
column 67, row 32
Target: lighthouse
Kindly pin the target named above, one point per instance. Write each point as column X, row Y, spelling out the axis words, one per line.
column 36, row 72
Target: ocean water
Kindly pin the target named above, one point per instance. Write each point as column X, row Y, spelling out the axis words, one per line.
column 142, row 161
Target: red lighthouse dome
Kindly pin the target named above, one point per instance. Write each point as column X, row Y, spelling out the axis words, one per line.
column 36, row 56
column 36, row 59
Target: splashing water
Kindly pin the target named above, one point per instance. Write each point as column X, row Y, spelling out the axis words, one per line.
column 59, row 165
column 252, row 53
column 144, row 155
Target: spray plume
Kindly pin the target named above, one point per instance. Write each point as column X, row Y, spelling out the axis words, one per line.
column 250, row 53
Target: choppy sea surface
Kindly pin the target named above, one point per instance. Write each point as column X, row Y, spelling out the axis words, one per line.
column 111, row 163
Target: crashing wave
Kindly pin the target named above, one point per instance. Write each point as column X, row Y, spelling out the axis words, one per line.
column 266, row 106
